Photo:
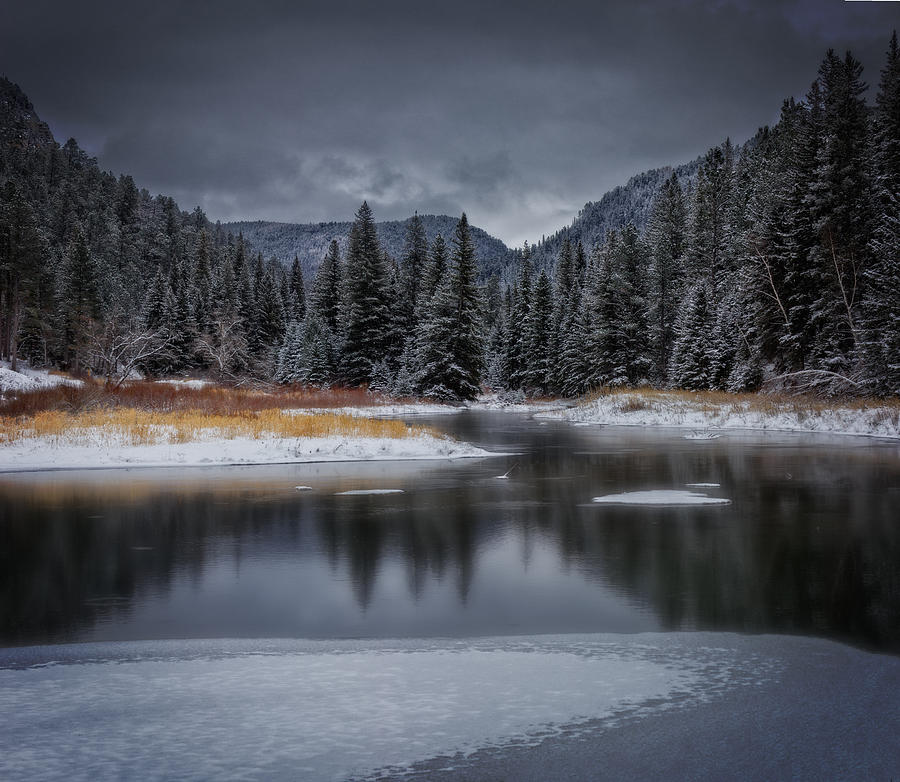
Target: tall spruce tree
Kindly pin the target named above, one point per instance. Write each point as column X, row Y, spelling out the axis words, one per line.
column 451, row 349
column 666, row 236
column 413, row 261
column 79, row 300
column 366, row 316
column 882, row 314
column 841, row 206
column 296, row 293
column 326, row 295
column 540, row 338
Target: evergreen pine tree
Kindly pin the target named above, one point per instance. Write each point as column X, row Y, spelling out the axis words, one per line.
column 518, row 357
column 21, row 271
column 539, row 338
column 434, row 271
column 203, row 287
column 326, row 295
column 79, row 300
column 634, row 342
column 366, row 318
column 450, row 346
column 693, row 361
column 296, row 293
column 413, row 261
column 666, row 235
column 882, row 315
column 841, row 206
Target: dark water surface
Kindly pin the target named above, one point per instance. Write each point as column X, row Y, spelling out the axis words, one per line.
column 809, row 545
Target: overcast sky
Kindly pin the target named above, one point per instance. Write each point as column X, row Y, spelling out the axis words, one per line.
column 517, row 112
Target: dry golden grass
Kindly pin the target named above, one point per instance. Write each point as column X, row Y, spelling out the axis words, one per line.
column 719, row 402
column 131, row 426
column 212, row 399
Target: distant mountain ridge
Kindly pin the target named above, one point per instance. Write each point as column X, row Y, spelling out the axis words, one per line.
column 628, row 203
column 22, row 133
column 310, row 241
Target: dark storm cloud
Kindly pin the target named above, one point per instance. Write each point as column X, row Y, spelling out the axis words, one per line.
column 515, row 112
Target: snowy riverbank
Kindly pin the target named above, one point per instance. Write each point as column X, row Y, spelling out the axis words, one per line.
column 28, row 379
column 47, row 454
column 700, row 412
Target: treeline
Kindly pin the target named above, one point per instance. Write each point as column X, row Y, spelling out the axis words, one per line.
column 780, row 261
column 97, row 275
column 777, row 261
column 413, row 328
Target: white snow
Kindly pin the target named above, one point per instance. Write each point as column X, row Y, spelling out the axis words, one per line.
column 660, row 497
column 184, row 382
column 326, row 715
column 27, row 379
column 700, row 414
column 381, row 411
column 703, row 485
column 47, row 453
column 356, row 492
column 516, row 404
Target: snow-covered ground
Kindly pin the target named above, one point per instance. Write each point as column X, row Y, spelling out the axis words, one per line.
column 332, row 710
column 636, row 409
column 185, row 382
column 406, row 410
column 513, row 404
column 45, row 453
column 27, row 379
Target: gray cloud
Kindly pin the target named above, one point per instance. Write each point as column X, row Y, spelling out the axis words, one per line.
column 517, row 112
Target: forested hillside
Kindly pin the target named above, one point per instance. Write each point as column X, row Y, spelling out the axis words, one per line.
column 628, row 203
column 781, row 262
column 776, row 261
column 97, row 274
column 309, row 241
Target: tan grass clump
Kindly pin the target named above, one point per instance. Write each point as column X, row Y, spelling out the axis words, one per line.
column 636, row 399
column 131, row 426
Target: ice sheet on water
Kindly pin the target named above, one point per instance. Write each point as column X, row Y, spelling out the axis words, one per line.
column 703, row 485
column 331, row 713
column 660, row 497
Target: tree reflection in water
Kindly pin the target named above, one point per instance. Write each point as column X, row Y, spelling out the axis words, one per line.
column 810, row 543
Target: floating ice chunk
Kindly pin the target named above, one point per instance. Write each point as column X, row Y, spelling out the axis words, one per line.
column 703, row 485
column 701, row 436
column 303, row 488
column 660, row 497
column 368, row 491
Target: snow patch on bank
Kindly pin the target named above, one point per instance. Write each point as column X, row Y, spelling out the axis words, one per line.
column 27, row 379
column 380, row 411
column 516, row 404
column 185, row 382
column 45, row 453
column 700, row 415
